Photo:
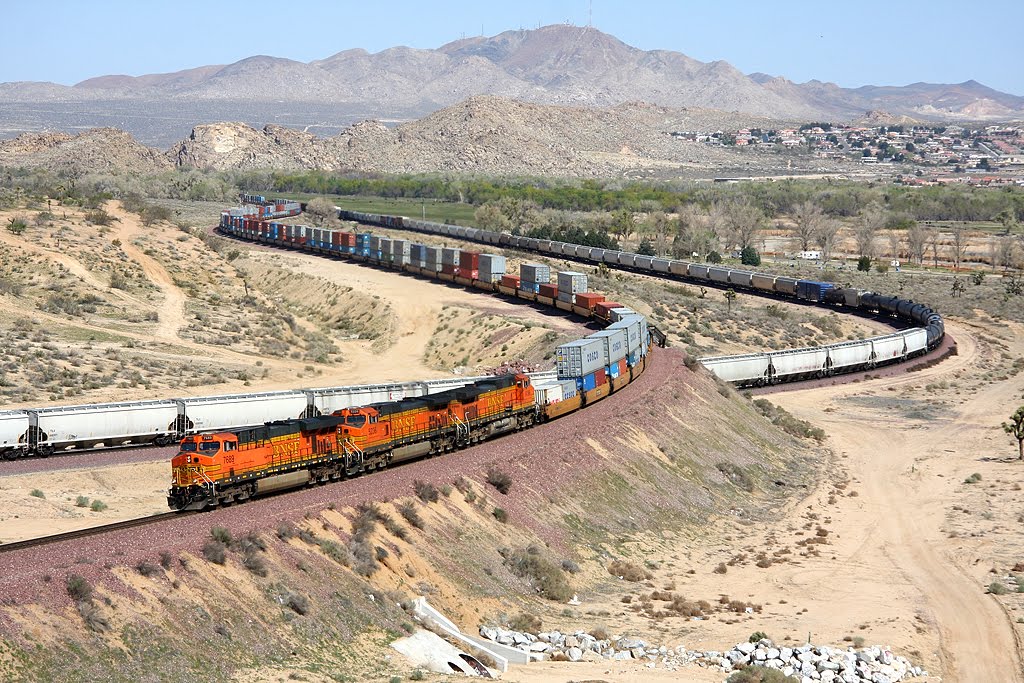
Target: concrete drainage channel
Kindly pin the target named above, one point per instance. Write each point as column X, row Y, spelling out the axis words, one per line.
column 429, row 650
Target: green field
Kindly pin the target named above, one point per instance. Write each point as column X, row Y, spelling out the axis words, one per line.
column 428, row 209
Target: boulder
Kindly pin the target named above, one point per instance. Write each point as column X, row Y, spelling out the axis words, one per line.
column 746, row 648
column 575, row 654
column 571, row 641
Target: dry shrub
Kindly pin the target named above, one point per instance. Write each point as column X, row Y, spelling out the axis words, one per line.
column 525, row 622
column 297, row 602
column 411, row 514
column 500, row 480
column 629, row 571
column 215, row 551
column 426, row 491
column 547, row 578
column 79, row 588
column 255, row 564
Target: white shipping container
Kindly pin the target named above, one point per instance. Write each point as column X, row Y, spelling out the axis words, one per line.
column 243, row 410
column 618, row 314
column 572, row 282
column 535, row 272
column 547, row 393
column 850, row 354
column 569, row 389
column 614, row 344
column 746, row 368
column 579, row 358
column 632, row 326
column 13, row 425
column 107, row 422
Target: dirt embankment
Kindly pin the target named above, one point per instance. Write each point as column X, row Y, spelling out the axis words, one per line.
column 579, row 494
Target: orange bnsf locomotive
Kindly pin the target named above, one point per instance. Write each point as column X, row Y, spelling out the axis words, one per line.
column 227, row 467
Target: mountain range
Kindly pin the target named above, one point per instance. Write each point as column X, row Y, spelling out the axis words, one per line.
column 559, row 64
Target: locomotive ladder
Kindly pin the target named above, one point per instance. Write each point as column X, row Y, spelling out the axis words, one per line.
column 352, row 450
column 461, row 428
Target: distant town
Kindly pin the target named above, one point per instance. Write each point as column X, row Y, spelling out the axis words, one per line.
column 993, row 155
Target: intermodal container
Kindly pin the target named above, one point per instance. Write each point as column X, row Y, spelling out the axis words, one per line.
column 567, row 297
column 614, row 344
column 572, row 282
column 579, row 358
column 600, row 377
column 469, row 260
column 416, row 253
column 450, row 256
column 535, row 272
column 492, row 267
column 632, row 327
column 604, row 308
column 432, row 258
column 569, row 389
column 448, row 268
column 529, row 286
column 548, row 290
column 588, row 300
column 510, row 281
column 547, row 393
column 587, row 383
column 618, row 314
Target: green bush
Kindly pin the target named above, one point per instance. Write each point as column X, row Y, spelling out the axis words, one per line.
column 82, row 501
column 79, row 588
column 714, row 257
column 221, row 534
column 864, row 264
column 996, row 588
column 750, row 257
column 973, row 479
column 98, row 506
column 757, row 637
column 36, row 493
column 500, row 515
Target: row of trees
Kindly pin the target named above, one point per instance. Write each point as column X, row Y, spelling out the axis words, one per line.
column 736, row 224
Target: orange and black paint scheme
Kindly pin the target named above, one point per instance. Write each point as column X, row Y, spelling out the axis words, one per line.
column 228, row 467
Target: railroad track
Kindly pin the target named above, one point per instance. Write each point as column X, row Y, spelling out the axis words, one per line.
column 90, row 531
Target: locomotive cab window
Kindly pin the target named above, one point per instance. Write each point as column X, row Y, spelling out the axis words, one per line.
column 230, row 445
column 355, row 420
column 209, row 447
column 188, row 447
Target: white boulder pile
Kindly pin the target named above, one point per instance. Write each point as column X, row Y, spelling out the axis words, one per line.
column 807, row 663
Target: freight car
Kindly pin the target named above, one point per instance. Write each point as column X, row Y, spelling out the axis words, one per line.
column 791, row 366
column 45, row 431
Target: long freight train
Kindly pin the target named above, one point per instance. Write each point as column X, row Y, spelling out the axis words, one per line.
column 747, row 369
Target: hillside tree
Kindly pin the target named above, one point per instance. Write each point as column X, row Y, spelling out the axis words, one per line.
column 321, row 212
column 871, row 220
column 743, row 221
column 1015, row 428
column 958, row 244
column 917, row 240
column 826, row 237
column 808, row 216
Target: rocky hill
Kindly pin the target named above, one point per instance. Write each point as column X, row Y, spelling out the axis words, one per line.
column 488, row 135
column 561, row 64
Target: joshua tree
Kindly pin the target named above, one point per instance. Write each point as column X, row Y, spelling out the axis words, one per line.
column 729, row 296
column 1015, row 428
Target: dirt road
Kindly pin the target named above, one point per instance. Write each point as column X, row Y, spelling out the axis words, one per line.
column 891, row 543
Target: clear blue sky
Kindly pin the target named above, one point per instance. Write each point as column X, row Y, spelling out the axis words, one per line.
column 849, row 43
